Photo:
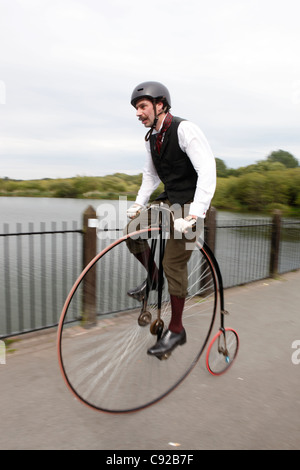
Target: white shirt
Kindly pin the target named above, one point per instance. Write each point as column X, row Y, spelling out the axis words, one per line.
column 193, row 142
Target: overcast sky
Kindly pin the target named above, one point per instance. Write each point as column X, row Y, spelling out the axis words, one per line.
column 68, row 68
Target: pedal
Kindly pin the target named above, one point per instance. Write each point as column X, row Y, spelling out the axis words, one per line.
column 157, row 327
column 144, row 318
column 164, row 357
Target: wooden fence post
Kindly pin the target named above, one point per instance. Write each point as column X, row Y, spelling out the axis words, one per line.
column 210, row 240
column 275, row 243
column 89, row 317
column 210, row 224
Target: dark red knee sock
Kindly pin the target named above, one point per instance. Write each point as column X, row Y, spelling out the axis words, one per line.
column 177, row 304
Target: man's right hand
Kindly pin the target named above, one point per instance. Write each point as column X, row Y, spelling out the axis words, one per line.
column 133, row 210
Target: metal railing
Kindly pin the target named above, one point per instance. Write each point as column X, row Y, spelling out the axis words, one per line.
column 39, row 267
column 243, row 250
column 289, row 251
column 37, row 271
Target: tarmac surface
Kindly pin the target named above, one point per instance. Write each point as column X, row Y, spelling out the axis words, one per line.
column 255, row 405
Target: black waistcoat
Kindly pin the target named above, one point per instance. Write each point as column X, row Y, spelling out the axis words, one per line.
column 174, row 167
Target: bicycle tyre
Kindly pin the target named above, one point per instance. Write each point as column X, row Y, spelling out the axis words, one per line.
column 219, row 358
column 105, row 365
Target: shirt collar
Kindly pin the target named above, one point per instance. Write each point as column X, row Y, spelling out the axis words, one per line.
column 162, row 123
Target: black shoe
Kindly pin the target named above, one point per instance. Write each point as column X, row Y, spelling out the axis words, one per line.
column 167, row 343
column 139, row 292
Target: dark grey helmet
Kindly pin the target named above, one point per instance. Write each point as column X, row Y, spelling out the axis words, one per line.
column 151, row 90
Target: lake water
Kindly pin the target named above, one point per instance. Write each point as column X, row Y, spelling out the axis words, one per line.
column 25, row 209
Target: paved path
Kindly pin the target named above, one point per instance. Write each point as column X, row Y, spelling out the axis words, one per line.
column 256, row 405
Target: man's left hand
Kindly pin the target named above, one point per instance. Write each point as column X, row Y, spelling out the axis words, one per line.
column 182, row 225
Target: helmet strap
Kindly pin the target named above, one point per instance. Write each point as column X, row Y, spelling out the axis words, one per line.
column 156, row 116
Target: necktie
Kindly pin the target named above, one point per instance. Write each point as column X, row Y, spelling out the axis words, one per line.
column 165, row 127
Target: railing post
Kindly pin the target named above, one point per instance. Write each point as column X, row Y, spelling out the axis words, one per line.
column 275, row 243
column 211, row 224
column 89, row 283
column 210, row 240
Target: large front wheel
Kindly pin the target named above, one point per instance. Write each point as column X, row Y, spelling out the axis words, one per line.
column 102, row 342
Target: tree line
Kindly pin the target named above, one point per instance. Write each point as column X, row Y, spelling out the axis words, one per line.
column 273, row 183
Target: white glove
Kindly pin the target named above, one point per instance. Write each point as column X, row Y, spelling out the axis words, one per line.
column 182, row 225
column 133, row 210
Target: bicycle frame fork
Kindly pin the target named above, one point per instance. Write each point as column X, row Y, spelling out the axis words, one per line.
column 157, row 325
column 223, row 312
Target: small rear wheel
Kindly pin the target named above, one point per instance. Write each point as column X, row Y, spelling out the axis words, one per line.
column 222, row 351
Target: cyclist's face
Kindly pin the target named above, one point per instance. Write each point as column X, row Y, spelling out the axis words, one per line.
column 145, row 111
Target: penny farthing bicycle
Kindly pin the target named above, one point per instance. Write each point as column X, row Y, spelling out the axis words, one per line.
column 103, row 334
